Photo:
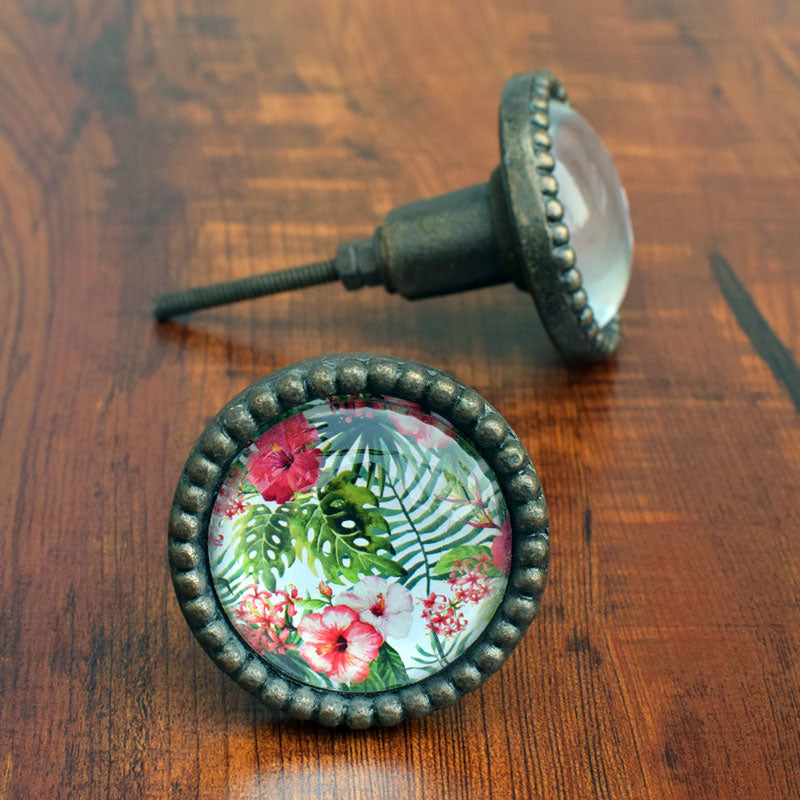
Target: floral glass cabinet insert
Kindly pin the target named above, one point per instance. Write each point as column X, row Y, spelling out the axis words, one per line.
column 359, row 543
column 358, row 539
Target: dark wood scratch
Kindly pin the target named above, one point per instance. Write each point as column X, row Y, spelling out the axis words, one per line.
column 766, row 343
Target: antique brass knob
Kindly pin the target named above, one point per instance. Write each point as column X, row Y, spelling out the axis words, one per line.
column 357, row 539
column 553, row 219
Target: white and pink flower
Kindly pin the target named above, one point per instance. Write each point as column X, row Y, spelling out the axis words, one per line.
column 384, row 604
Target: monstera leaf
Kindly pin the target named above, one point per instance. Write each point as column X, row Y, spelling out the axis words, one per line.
column 264, row 541
column 345, row 537
column 336, row 530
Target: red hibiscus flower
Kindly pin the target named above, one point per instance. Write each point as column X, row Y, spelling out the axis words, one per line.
column 337, row 643
column 285, row 461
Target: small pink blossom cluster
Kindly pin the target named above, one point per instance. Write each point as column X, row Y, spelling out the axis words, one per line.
column 264, row 618
column 469, row 582
column 442, row 615
column 228, row 505
column 230, row 502
column 235, row 506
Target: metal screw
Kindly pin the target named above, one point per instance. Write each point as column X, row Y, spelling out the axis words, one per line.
column 218, row 294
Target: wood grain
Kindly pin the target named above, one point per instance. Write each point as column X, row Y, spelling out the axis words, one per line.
column 155, row 144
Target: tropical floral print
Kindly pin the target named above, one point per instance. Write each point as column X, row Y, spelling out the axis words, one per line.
column 262, row 619
column 285, row 461
column 422, row 427
column 360, row 544
column 385, row 605
column 501, row 549
column 337, row 644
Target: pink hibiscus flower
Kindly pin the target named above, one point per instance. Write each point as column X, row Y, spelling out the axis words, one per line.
column 385, row 605
column 285, row 461
column 426, row 429
column 336, row 642
column 501, row 548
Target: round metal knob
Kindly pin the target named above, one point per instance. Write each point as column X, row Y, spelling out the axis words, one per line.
column 555, row 181
column 357, row 539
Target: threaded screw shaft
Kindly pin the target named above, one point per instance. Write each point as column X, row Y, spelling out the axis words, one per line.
column 174, row 303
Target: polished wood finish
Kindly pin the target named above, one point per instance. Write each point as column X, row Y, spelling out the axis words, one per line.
column 147, row 145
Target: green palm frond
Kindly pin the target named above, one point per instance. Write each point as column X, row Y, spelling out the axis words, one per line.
column 409, row 488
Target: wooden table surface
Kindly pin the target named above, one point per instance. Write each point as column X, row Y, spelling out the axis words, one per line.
column 147, row 145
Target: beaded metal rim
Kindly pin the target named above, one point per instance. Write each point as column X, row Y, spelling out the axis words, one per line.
column 240, row 421
column 550, row 270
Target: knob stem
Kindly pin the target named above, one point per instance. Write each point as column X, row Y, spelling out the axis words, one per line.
column 457, row 241
column 442, row 245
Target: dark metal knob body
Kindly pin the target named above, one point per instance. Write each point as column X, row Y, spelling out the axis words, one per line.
column 508, row 229
column 432, row 247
